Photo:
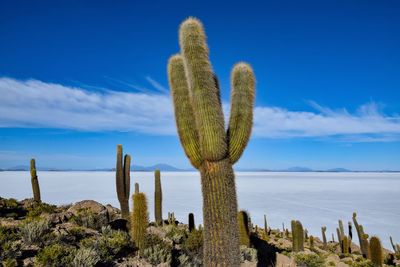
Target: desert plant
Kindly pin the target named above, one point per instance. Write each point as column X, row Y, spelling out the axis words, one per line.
column 85, row 257
column 323, row 229
column 159, row 253
column 157, row 197
column 136, row 188
column 294, row 236
column 361, row 237
column 87, row 218
column 375, row 251
column 350, row 231
column 192, row 226
column 247, row 254
column 193, row 244
column 35, row 182
column 122, row 174
column 55, row 255
column 309, row 260
column 34, row 232
column 201, row 129
column 244, row 233
column 311, row 241
column 300, row 236
column 265, row 224
column 140, row 220
column 346, row 244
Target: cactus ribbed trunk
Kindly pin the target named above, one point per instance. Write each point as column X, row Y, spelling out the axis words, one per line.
column 191, row 222
column 122, row 174
column 221, row 243
column 157, row 197
column 35, row 182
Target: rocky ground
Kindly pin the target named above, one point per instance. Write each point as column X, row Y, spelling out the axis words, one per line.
column 91, row 234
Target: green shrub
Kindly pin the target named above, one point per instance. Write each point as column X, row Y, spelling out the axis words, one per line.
column 10, row 250
column 189, row 261
column 160, row 253
column 193, row 244
column 55, row 255
column 86, row 257
column 10, row 203
column 34, row 232
column 87, row 218
column 7, row 234
column 10, row 262
column 309, row 260
column 39, row 208
column 108, row 246
column 174, row 233
column 78, row 232
column 247, row 254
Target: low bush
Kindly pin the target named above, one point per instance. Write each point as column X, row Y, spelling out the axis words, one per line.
column 55, row 255
column 87, row 218
column 247, row 254
column 193, row 244
column 86, row 257
column 34, row 232
column 309, row 260
column 39, row 208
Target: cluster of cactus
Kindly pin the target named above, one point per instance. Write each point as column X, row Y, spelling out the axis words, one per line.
column 192, row 226
column 140, row 220
column 35, row 182
column 325, row 244
column 210, row 148
column 343, row 239
column 171, row 218
column 157, row 197
column 122, row 175
column 297, row 236
column 362, row 237
column 375, row 251
column 244, row 231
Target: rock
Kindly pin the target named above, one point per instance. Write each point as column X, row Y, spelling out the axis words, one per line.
column 92, row 206
column 119, row 224
column 133, row 262
column 27, row 202
column 56, row 218
column 29, row 262
column 284, row 261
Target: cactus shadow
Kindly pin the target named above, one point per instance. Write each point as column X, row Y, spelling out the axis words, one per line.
column 266, row 253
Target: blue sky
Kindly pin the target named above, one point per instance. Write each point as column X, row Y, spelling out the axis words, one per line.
column 79, row 77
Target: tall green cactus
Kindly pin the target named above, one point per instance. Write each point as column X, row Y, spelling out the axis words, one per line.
column 375, row 251
column 244, row 231
column 211, row 149
column 323, row 229
column 122, row 174
column 157, row 197
column 300, row 236
column 35, row 182
column 345, row 245
column 140, row 220
column 361, row 237
column 311, row 241
column 295, row 238
column 191, row 222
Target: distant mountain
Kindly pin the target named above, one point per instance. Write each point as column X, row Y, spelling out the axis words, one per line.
column 338, row 170
column 298, row 169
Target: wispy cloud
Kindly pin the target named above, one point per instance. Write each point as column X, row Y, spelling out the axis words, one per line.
column 33, row 103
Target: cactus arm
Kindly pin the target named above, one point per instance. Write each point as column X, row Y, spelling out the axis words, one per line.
column 127, row 176
column 119, row 173
column 241, row 114
column 184, row 116
column 203, row 89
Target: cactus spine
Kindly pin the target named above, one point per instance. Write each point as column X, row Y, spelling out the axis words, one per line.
column 210, row 149
column 35, row 182
column 157, row 197
column 136, row 188
column 375, row 251
column 140, row 220
column 324, row 237
column 191, row 222
column 244, row 233
column 122, row 174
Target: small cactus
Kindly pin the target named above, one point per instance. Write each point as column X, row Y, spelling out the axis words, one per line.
column 157, row 197
column 350, row 231
column 294, row 236
column 375, row 251
column 122, row 174
column 345, row 242
column 311, row 241
column 265, row 224
column 324, row 237
column 35, row 182
column 140, row 220
column 191, row 222
column 244, row 233
column 136, row 188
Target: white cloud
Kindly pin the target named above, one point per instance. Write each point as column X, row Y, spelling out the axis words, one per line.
column 33, row 103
